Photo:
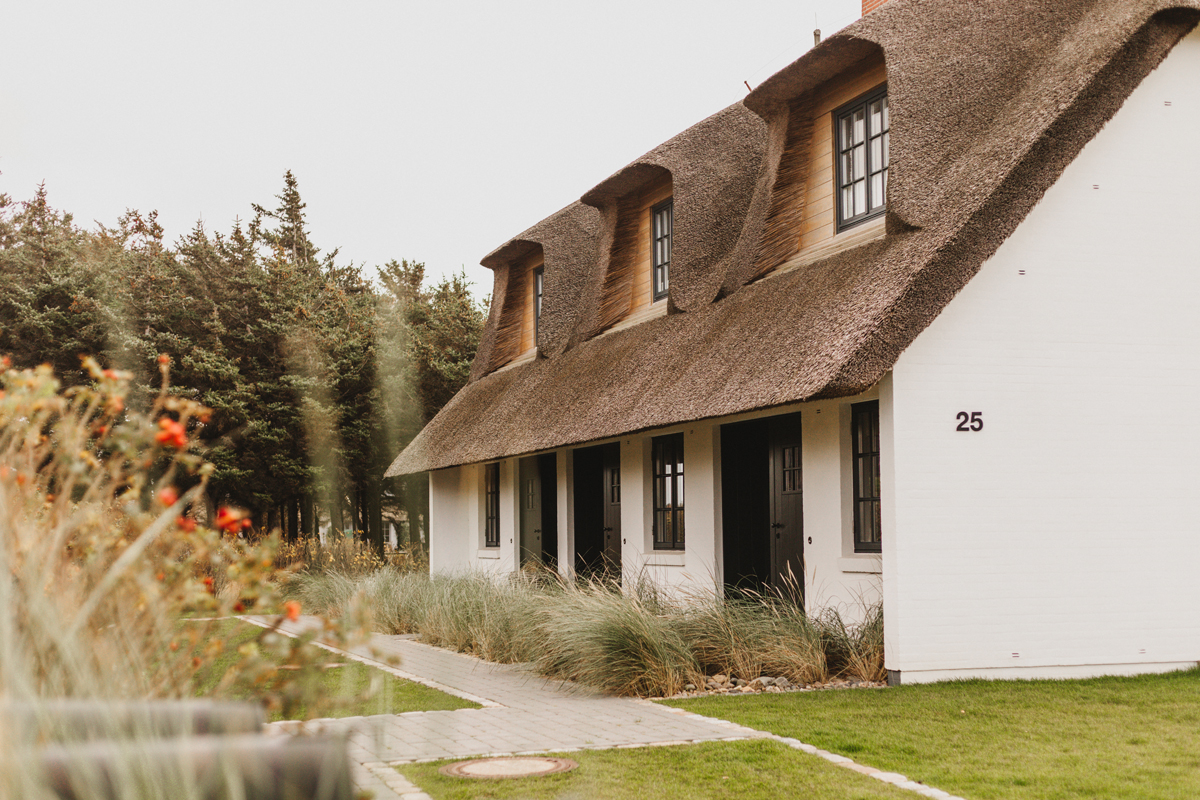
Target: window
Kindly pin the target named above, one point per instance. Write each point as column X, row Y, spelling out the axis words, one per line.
column 668, row 491
column 861, row 134
column 662, row 221
column 491, row 505
column 538, row 275
column 864, row 428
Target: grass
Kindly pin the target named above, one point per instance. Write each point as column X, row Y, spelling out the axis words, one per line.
column 1132, row 738
column 354, row 689
column 753, row 770
column 631, row 642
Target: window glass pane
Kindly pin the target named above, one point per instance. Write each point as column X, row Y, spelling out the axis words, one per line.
column 679, row 528
column 876, row 190
column 860, row 163
column 877, row 154
column 886, row 150
column 876, row 109
column 847, row 202
column 887, row 123
column 860, row 198
column 845, row 134
column 847, row 170
column 860, row 119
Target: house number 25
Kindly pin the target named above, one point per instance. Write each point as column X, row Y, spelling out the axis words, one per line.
column 971, row 422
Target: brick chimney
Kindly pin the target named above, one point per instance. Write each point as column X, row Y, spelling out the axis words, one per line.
column 871, row 5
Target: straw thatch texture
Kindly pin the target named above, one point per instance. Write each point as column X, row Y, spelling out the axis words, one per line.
column 990, row 101
column 781, row 232
column 568, row 241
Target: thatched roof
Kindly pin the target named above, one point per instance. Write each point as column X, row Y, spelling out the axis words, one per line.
column 990, row 101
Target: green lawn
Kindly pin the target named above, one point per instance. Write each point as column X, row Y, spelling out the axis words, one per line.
column 752, row 770
column 348, row 685
column 1102, row 738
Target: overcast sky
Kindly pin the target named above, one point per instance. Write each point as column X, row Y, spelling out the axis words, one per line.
column 432, row 131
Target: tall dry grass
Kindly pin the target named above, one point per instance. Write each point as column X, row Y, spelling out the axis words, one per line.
column 635, row 641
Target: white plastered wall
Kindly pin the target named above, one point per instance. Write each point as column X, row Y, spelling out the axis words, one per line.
column 1062, row 539
column 456, row 521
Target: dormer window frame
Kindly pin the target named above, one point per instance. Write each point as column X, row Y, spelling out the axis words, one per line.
column 662, row 228
column 871, row 150
column 539, row 282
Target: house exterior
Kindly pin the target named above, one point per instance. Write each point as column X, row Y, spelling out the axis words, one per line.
column 915, row 322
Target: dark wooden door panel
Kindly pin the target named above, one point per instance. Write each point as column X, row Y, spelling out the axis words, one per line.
column 612, row 507
column 787, row 504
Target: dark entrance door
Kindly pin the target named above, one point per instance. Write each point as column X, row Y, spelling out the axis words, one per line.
column 548, row 477
column 762, row 504
column 787, row 505
column 597, row 494
column 538, row 480
column 530, row 493
column 612, row 508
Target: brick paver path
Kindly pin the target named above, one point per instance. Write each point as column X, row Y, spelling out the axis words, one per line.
column 525, row 713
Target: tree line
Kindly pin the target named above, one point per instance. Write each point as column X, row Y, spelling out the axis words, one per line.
column 316, row 374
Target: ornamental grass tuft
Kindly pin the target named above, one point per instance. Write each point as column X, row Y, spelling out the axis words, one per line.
column 635, row 640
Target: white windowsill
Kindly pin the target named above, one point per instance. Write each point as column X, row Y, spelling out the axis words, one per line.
column 871, row 564
column 661, row 559
column 490, row 552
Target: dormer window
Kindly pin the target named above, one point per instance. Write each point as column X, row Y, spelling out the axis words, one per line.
column 539, row 275
column 662, row 222
column 861, row 134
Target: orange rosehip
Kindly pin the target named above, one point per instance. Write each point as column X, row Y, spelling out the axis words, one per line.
column 231, row 521
column 164, row 359
column 172, row 433
column 186, row 524
column 168, row 496
column 291, row 610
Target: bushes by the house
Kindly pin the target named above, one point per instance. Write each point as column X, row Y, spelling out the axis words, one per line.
column 636, row 642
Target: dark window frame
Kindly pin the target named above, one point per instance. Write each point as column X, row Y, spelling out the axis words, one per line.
column 868, row 536
column 667, row 474
column 491, row 504
column 661, row 266
column 862, row 103
column 539, row 277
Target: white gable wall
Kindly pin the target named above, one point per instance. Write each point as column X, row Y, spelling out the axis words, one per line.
column 1063, row 538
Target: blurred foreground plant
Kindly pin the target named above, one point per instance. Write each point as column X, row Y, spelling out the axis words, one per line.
column 112, row 577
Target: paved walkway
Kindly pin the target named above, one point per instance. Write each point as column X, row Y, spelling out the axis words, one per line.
column 524, row 714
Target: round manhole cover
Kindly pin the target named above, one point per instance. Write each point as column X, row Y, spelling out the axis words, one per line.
column 510, row 767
